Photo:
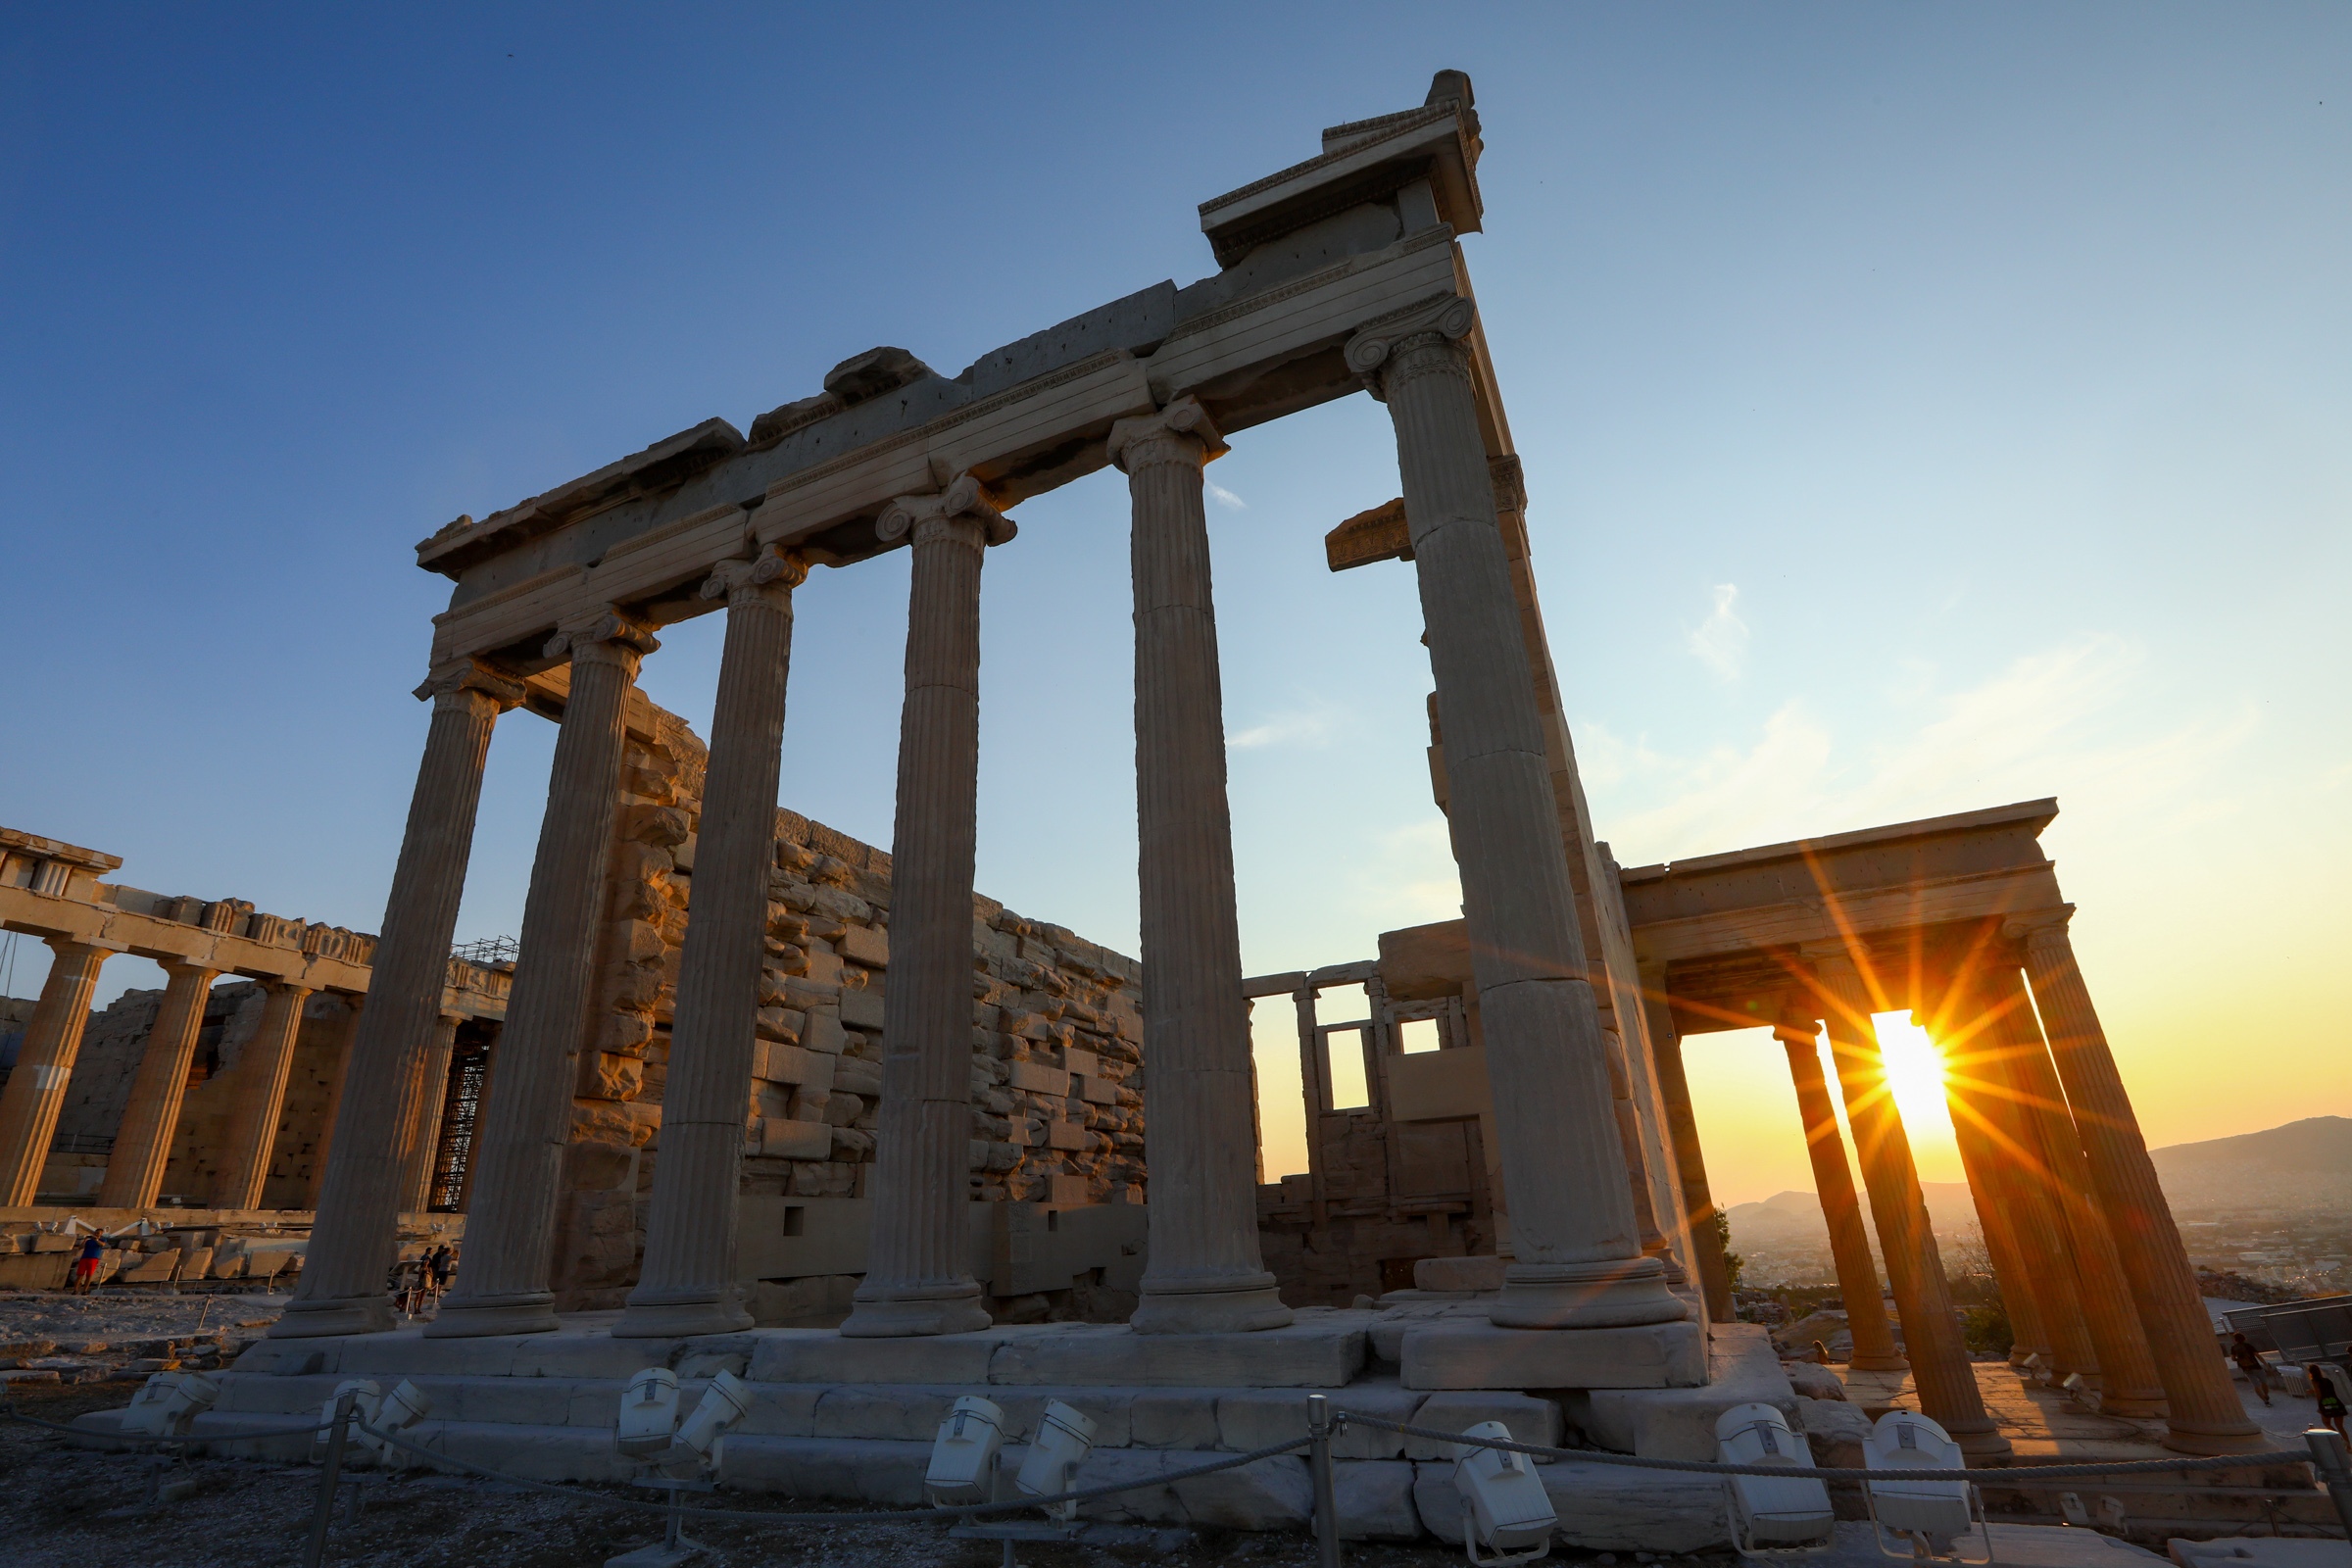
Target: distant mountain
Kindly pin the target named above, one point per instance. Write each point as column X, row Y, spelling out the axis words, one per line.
column 2321, row 1146
column 1794, row 1218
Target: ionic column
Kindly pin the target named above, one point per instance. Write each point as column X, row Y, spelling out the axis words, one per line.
column 2127, row 1382
column 502, row 1288
column 134, row 1171
column 687, row 1285
column 357, row 1232
column 424, row 1134
column 1849, row 1242
column 1578, row 1254
column 1690, row 1159
column 36, row 1090
column 1939, row 1363
column 347, row 1036
column 1204, row 1272
column 260, row 1074
column 2003, row 1157
column 918, row 1280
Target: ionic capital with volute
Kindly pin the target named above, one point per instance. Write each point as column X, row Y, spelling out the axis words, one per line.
column 1182, row 433
column 2042, row 930
column 961, row 512
column 463, row 682
column 1421, row 338
column 770, row 575
column 607, row 636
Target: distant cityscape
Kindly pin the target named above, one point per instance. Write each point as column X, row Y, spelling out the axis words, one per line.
column 2273, row 1207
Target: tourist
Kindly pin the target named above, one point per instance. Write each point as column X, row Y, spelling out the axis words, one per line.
column 2250, row 1361
column 87, row 1261
column 2328, row 1386
column 441, row 1263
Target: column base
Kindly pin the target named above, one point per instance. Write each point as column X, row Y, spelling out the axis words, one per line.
column 2135, row 1407
column 1614, row 1293
column 350, row 1315
column 1877, row 1364
column 898, row 1312
column 1228, row 1303
column 675, row 1314
column 1982, row 1442
column 470, row 1317
column 2247, row 1438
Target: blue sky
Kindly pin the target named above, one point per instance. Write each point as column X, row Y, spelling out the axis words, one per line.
column 1922, row 408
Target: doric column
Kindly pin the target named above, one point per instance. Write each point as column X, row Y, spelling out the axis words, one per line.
column 2127, row 1381
column 1636, row 1164
column 687, row 1285
column 261, row 1090
column 1939, row 1364
column 1849, row 1242
column 338, row 1075
column 134, row 1171
column 356, row 1235
column 2002, row 1158
column 1202, row 1270
column 502, row 1288
column 1689, row 1161
column 424, row 1134
column 1578, row 1254
column 918, row 1280
column 36, row 1089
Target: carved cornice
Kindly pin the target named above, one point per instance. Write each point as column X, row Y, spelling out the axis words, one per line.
column 963, row 511
column 1181, row 432
column 2039, row 928
column 774, row 570
column 610, row 632
column 1442, row 318
column 461, row 676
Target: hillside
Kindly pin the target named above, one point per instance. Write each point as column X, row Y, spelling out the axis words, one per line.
column 2321, row 1146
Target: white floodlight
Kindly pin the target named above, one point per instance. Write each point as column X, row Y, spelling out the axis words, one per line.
column 1928, row 1518
column 1505, row 1506
column 649, row 1413
column 726, row 1402
column 964, row 1456
column 397, row 1412
column 1771, row 1516
column 168, row 1402
column 368, row 1396
column 1064, row 1437
column 2036, row 1367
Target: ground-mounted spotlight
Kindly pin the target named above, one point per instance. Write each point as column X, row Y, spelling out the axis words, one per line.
column 726, row 1402
column 649, row 1415
column 1504, row 1508
column 367, row 1397
column 1927, row 1520
column 396, row 1412
column 168, row 1402
column 1771, row 1516
column 1064, row 1437
column 964, row 1456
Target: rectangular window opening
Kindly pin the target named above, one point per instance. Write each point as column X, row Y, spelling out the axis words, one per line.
column 1417, row 1034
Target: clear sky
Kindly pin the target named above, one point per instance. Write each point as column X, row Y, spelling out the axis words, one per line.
column 1923, row 408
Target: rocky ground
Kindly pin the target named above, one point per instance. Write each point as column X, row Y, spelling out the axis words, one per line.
column 54, row 1338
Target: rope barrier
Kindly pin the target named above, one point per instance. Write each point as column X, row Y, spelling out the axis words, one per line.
column 13, row 1414
column 2037, row 1471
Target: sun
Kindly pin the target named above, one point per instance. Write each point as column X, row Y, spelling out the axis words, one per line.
column 1915, row 1073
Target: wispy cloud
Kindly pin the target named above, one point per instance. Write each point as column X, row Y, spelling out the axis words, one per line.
column 1721, row 640
column 1308, row 725
column 1224, row 496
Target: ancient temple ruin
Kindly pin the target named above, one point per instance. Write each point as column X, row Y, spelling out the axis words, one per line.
column 942, row 1110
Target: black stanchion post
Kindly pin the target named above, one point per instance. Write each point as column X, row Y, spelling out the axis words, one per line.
column 330, row 1475
column 2330, row 1459
column 1327, row 1511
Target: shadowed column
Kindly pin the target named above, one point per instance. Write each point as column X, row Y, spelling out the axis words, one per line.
column 36, row 1089
column 1850, row 1244
column 355, row 1234
column 1690, row 1159
column 502, row 1288
column 134, row 1171
column 918, row 1280
column 425, row 1137
column 687, row 1285
column 1939, row 1364
column 261, row 1092
column 1578, row 1259
column 1202, row 1268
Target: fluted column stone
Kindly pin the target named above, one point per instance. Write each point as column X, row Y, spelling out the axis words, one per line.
column 1849, row 1241
column 1578, row 1258
column 338, row 1078
column 2202, row 1410
column 134, row 1171
column 510, row 1231
column 2127, row 1382
column 1204, row 1271
column 355, row 1236
column 1940, row 1370
column 687, row 1284
column 917, row 1279
column 36, row 1089
column 1690, row 1159
column 425, row 1137
column 261, row 1092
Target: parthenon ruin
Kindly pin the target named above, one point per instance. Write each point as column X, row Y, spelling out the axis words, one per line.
column 845, row 1128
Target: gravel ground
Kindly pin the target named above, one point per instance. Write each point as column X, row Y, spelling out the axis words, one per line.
column 64, row 1506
